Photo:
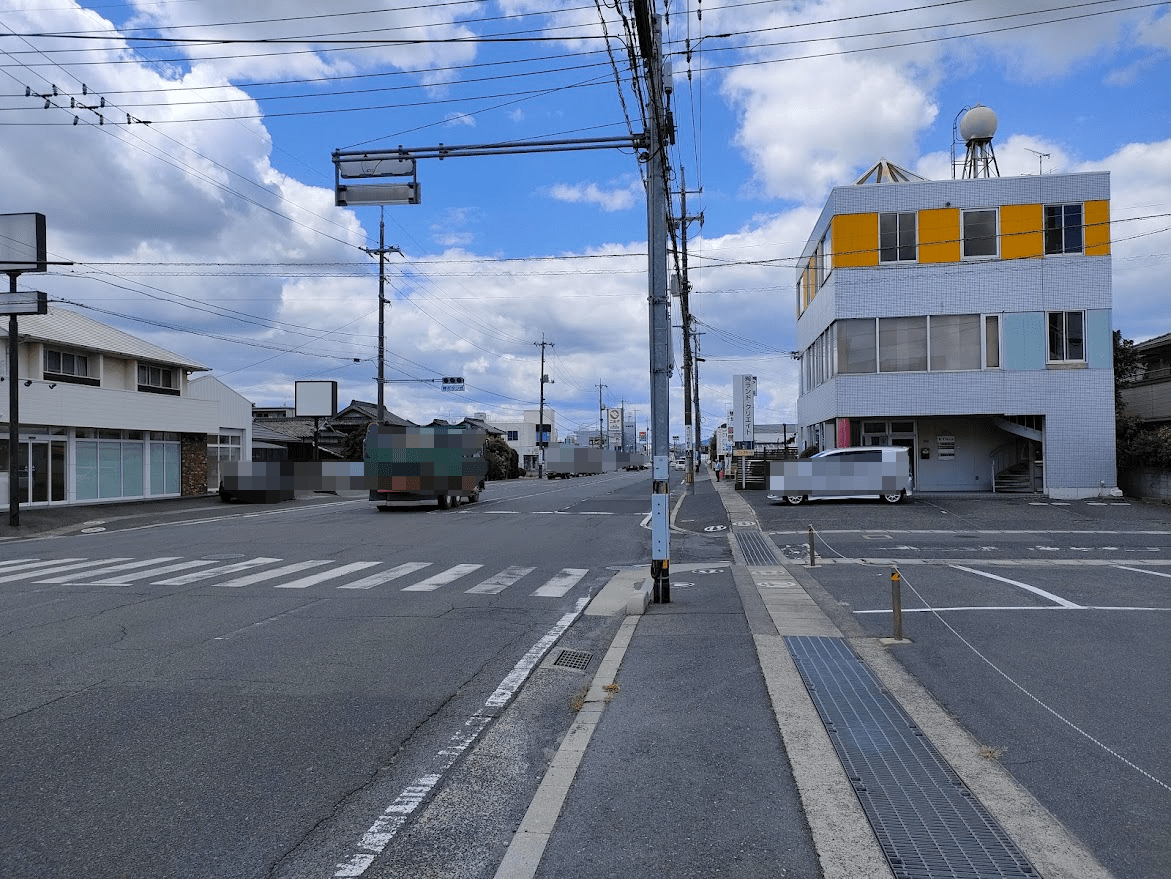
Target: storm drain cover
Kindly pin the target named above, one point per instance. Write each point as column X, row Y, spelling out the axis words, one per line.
column 929, row 824
column 757, row 552
column 575, row 659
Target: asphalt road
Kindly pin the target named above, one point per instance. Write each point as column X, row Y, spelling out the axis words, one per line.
column 1042, row 626
column 250, row 691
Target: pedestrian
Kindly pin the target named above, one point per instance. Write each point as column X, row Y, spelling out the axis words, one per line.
column 719, row 470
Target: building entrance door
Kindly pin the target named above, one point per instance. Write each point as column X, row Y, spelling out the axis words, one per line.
column 41, row 471
column 892, row 433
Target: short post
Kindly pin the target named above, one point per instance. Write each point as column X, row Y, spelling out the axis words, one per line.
column 896, row 603
column 812, row 557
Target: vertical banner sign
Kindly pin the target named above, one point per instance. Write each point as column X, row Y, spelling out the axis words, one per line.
column 743, row 406
column 843, row 432
column 614, row 427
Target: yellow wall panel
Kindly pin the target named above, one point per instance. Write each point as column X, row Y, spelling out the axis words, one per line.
column 1021, row 234
column 855, row 240
column 939, row 235
column 1097, row 220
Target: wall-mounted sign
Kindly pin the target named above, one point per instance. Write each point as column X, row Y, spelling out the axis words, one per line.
column 946, row 447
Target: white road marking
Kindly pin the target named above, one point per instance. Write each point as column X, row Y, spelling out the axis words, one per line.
column 383, row 830
column 442, row 578
column 101, row 572
column 1143, row 571
column 153, row 572
column 332, row 573
column 498, row 583
column 386, row 576
column 273, row 574
column 215, row 572
column 30, row 564
column 74, row 566
column 1035, row 590
column 1006, row 607
column 561, row 583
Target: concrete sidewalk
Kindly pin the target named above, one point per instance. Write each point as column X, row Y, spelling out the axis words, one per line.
column 699, row 751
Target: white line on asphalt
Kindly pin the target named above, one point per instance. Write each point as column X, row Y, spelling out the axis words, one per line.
column 100, row 572
column 214, row 572
column 561, row 583
column 305, row 582
column 386, row 576
column 153, row 572
column 499, row 582
column 271, row 619
column 1142, row 571
column 442, row 578
column 1035, row 590
column 274, row 573
column 28, row 575
column 384, row 828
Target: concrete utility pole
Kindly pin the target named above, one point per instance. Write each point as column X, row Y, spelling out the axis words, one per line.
column 541, row 416
column 685, row 312
column 601, row 410
column 650, row 47
column 382, row 251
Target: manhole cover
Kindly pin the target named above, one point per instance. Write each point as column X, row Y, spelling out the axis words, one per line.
column 575, row 659
column 223, row 557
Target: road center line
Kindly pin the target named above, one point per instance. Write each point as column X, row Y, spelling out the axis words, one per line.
column 1142, row 571
column 1036, row 591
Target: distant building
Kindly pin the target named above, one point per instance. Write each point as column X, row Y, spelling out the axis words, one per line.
column 106, row 416
column 1148, row 394
column 968, row 320
column 522, row 435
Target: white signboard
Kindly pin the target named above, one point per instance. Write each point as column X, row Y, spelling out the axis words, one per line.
column 317, row 399
column 743, row 409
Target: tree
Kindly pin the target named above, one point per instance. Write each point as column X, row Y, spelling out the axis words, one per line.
column 1137, row 444
column 502, row 459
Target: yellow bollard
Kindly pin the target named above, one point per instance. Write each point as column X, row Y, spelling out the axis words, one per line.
column 896, row 603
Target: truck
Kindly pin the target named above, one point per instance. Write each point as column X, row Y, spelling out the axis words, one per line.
column 562, row 462
column 440, row 462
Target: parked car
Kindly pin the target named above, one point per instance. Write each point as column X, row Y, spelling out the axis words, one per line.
column 854, row 472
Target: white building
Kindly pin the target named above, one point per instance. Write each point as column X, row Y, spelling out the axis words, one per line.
column 521, row 434
column 969, row 320
column 105, row 416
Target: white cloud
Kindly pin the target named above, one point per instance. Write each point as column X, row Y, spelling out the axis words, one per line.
column 609, row 200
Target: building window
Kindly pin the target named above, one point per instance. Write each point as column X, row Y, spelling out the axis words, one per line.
column 979, row 229
column 856, row 345
column 1063, row 228
column 514, row 436
column 992, row 341
column 1067, row 340
column 896, row 237
column 68, row 367
column 902, row 344
column 955, row 342
column 157, row 380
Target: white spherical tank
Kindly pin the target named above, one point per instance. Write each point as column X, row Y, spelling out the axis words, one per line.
column 979, row 123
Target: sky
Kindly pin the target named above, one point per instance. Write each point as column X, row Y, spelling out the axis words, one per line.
column 181, row 151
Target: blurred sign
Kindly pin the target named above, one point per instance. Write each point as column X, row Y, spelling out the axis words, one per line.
column 453, row 383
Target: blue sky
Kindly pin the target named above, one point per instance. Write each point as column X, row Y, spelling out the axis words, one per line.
column 212, row 230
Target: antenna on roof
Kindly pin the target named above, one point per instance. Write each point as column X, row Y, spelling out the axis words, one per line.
column 1040, row 159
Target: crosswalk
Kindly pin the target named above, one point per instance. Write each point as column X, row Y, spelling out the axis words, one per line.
column 274, row 573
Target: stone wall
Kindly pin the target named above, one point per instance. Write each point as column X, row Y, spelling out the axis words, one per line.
column 1145, row 482
column 193, row 464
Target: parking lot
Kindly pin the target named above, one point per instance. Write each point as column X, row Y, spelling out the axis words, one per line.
column 1042, row 625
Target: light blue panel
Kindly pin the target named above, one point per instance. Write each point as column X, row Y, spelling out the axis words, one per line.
column 1024, row 340
column 1099, row 339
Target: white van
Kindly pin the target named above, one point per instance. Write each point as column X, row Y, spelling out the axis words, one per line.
column 855, row 472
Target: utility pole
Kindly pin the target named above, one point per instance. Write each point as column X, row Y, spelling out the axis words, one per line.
column 695, row 377
column 601, row 410
column 685, row 312
column 382, row 251
column 659, row 134
column 541, row 442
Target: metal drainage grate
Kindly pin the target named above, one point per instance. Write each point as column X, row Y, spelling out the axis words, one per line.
column 929, row 824
column 575, row 659
column 757, row 552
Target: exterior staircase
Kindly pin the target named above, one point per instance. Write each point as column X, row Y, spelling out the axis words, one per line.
column 1014, row 480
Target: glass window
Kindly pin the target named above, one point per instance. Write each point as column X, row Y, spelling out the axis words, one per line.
column 992, row 341
column 955, row 341
column 86, row 470
column 979, row 233
column 856, row 345
column 65, row 363
column 156, row 377
column 902, row 344
column 1067, row 336
column 896, row 237
column 1063, row 228
column 513, row 436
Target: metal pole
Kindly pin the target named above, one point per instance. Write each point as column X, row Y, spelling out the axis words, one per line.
column 13, row 415
column 541, row 416
column 685, row 320
column 812, row 556
column 896, row 603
